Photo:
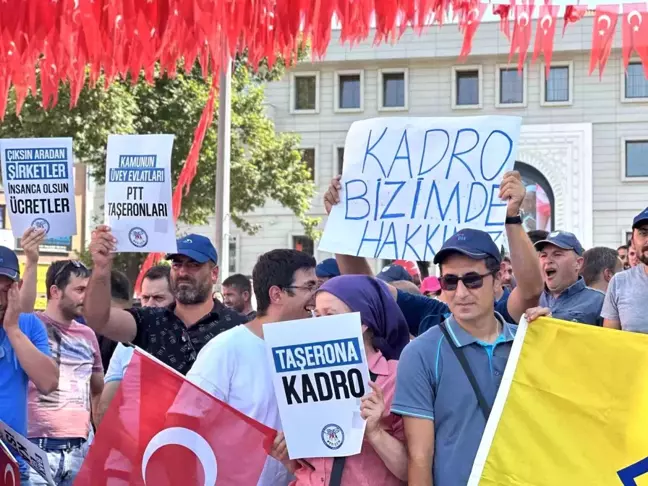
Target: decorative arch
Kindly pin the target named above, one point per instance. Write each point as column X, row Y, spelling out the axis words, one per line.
column 539, row 203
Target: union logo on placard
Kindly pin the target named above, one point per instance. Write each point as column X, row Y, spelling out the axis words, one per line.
column 333, row 436
column 40, row 223
column 138, row 237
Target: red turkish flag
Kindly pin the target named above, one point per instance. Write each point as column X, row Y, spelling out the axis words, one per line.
column 9, row 472
column 605, row 22
column 503, row 12
column 635, row 33
column 573, row 13
column 545, row 32
column 521, row 32
column 469, row 25
column 162, row 430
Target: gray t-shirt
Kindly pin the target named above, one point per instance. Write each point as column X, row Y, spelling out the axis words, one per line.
column 627, row 299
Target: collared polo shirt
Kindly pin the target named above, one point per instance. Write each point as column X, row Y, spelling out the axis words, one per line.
column 161, row 333
column 431, row 384
column 577, row 303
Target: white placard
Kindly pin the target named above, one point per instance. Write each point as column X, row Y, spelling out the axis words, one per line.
column 320, row 374
column 38, row 179
column 30, row 452
column 411, row 183
column 138, row 204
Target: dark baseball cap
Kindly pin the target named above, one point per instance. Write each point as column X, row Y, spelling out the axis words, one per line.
column 641, row 218
column 9, row 266
column 561, row 239
column 475, row 244
column 394, row 273
column 196, row 247
column 327, row 269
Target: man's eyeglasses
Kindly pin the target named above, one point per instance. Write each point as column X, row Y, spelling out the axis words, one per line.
column 308, row 288
column 472, row 280
column 75, row 263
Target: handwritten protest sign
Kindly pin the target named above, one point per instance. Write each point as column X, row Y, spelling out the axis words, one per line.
column 411, row 183
column 320, row 373
column 30, row 452
column 38, row 177
column 138, row 193
column 9, row 471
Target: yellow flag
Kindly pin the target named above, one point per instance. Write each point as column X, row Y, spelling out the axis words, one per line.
column 572, row 410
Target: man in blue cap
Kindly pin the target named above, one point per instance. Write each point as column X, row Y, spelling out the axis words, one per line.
column 626, row 305
column 174, row 334
column 326, row 270
column 24, row 353
column 566, row 296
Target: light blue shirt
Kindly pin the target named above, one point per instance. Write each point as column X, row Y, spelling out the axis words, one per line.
column 14, row 380
column 120, row 360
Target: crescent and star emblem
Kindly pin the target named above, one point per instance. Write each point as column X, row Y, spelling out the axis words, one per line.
column 189, row 439
column 608, row 22
column 473, row 14
column 636, row 14
column 9, row 470
column 548, row 20
column 523, row 16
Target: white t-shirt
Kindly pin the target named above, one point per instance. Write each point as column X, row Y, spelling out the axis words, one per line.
column 233, row 367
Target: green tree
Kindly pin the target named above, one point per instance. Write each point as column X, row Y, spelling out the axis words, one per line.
column 264, row 164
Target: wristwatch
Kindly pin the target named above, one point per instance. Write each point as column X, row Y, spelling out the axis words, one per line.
column 513, row 220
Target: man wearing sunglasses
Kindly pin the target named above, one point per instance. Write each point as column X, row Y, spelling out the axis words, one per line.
column 24, row 353
column 61, row 423
column 173, row 334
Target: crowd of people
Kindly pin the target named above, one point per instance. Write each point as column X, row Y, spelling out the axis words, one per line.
column 436, row 346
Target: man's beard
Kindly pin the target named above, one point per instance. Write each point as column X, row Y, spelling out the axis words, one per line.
column 643, row 256
column 189, row 292
column 71, row 311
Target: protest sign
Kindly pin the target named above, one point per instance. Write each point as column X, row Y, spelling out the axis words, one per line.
column 9, row 471
column 411, row 183
column 38, row 177
column 138, row 193
column 320, row 373
column 30, row 452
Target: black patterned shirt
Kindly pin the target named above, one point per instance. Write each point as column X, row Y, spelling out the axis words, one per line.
column 162, row 334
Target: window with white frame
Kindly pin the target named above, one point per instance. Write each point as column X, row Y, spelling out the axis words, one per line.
column 393, row 89
column 233, row 254
column 557, row 86
column 308, row 157
column 303, row 243
column 636, row 158
column 340, row 160
column 636, row 82
column 466, row 86
column 511, row 86
column 304, row 92
column 349, row 91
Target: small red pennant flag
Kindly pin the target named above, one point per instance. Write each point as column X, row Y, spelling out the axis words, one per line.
column 503, row 11
column 469, row 26
column 545, row 32
column 573, row 13
column 635, row 33
column 522, row 31
column 605, row 22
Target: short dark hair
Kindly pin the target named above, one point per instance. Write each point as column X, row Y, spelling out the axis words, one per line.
column 120, row 286
column 239, row 282
column 506, row 259
column 537, row 235
column 59, row 274
column 158, row 272
column 277, row 268
column 596, row 260
column 623, row 247
column 492, row 265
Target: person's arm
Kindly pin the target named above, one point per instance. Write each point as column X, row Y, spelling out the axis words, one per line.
column 610, row 310
column 524, row 258
column 96, row 389
column 116, row 324
column 419, row 433
column 33, row 351
column 30, row 242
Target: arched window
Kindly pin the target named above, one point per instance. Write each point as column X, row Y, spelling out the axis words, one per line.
column 538, row 206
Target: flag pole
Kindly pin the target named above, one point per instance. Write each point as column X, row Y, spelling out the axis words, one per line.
column 222, row 209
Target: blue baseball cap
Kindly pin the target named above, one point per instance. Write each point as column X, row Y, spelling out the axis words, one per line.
column 9, row 266
column 196, row 247
column 394, row 273
column 475, row 244
column 641, row 218
column 327, row 269
column 561, row 239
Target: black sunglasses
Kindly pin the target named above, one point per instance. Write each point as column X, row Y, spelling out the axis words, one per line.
column 75, row 263
column 472, row 280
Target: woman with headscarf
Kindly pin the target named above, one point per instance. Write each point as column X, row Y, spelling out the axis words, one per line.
column 383, row 458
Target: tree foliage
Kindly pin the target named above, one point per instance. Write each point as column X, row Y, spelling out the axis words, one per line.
column 264, row 164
